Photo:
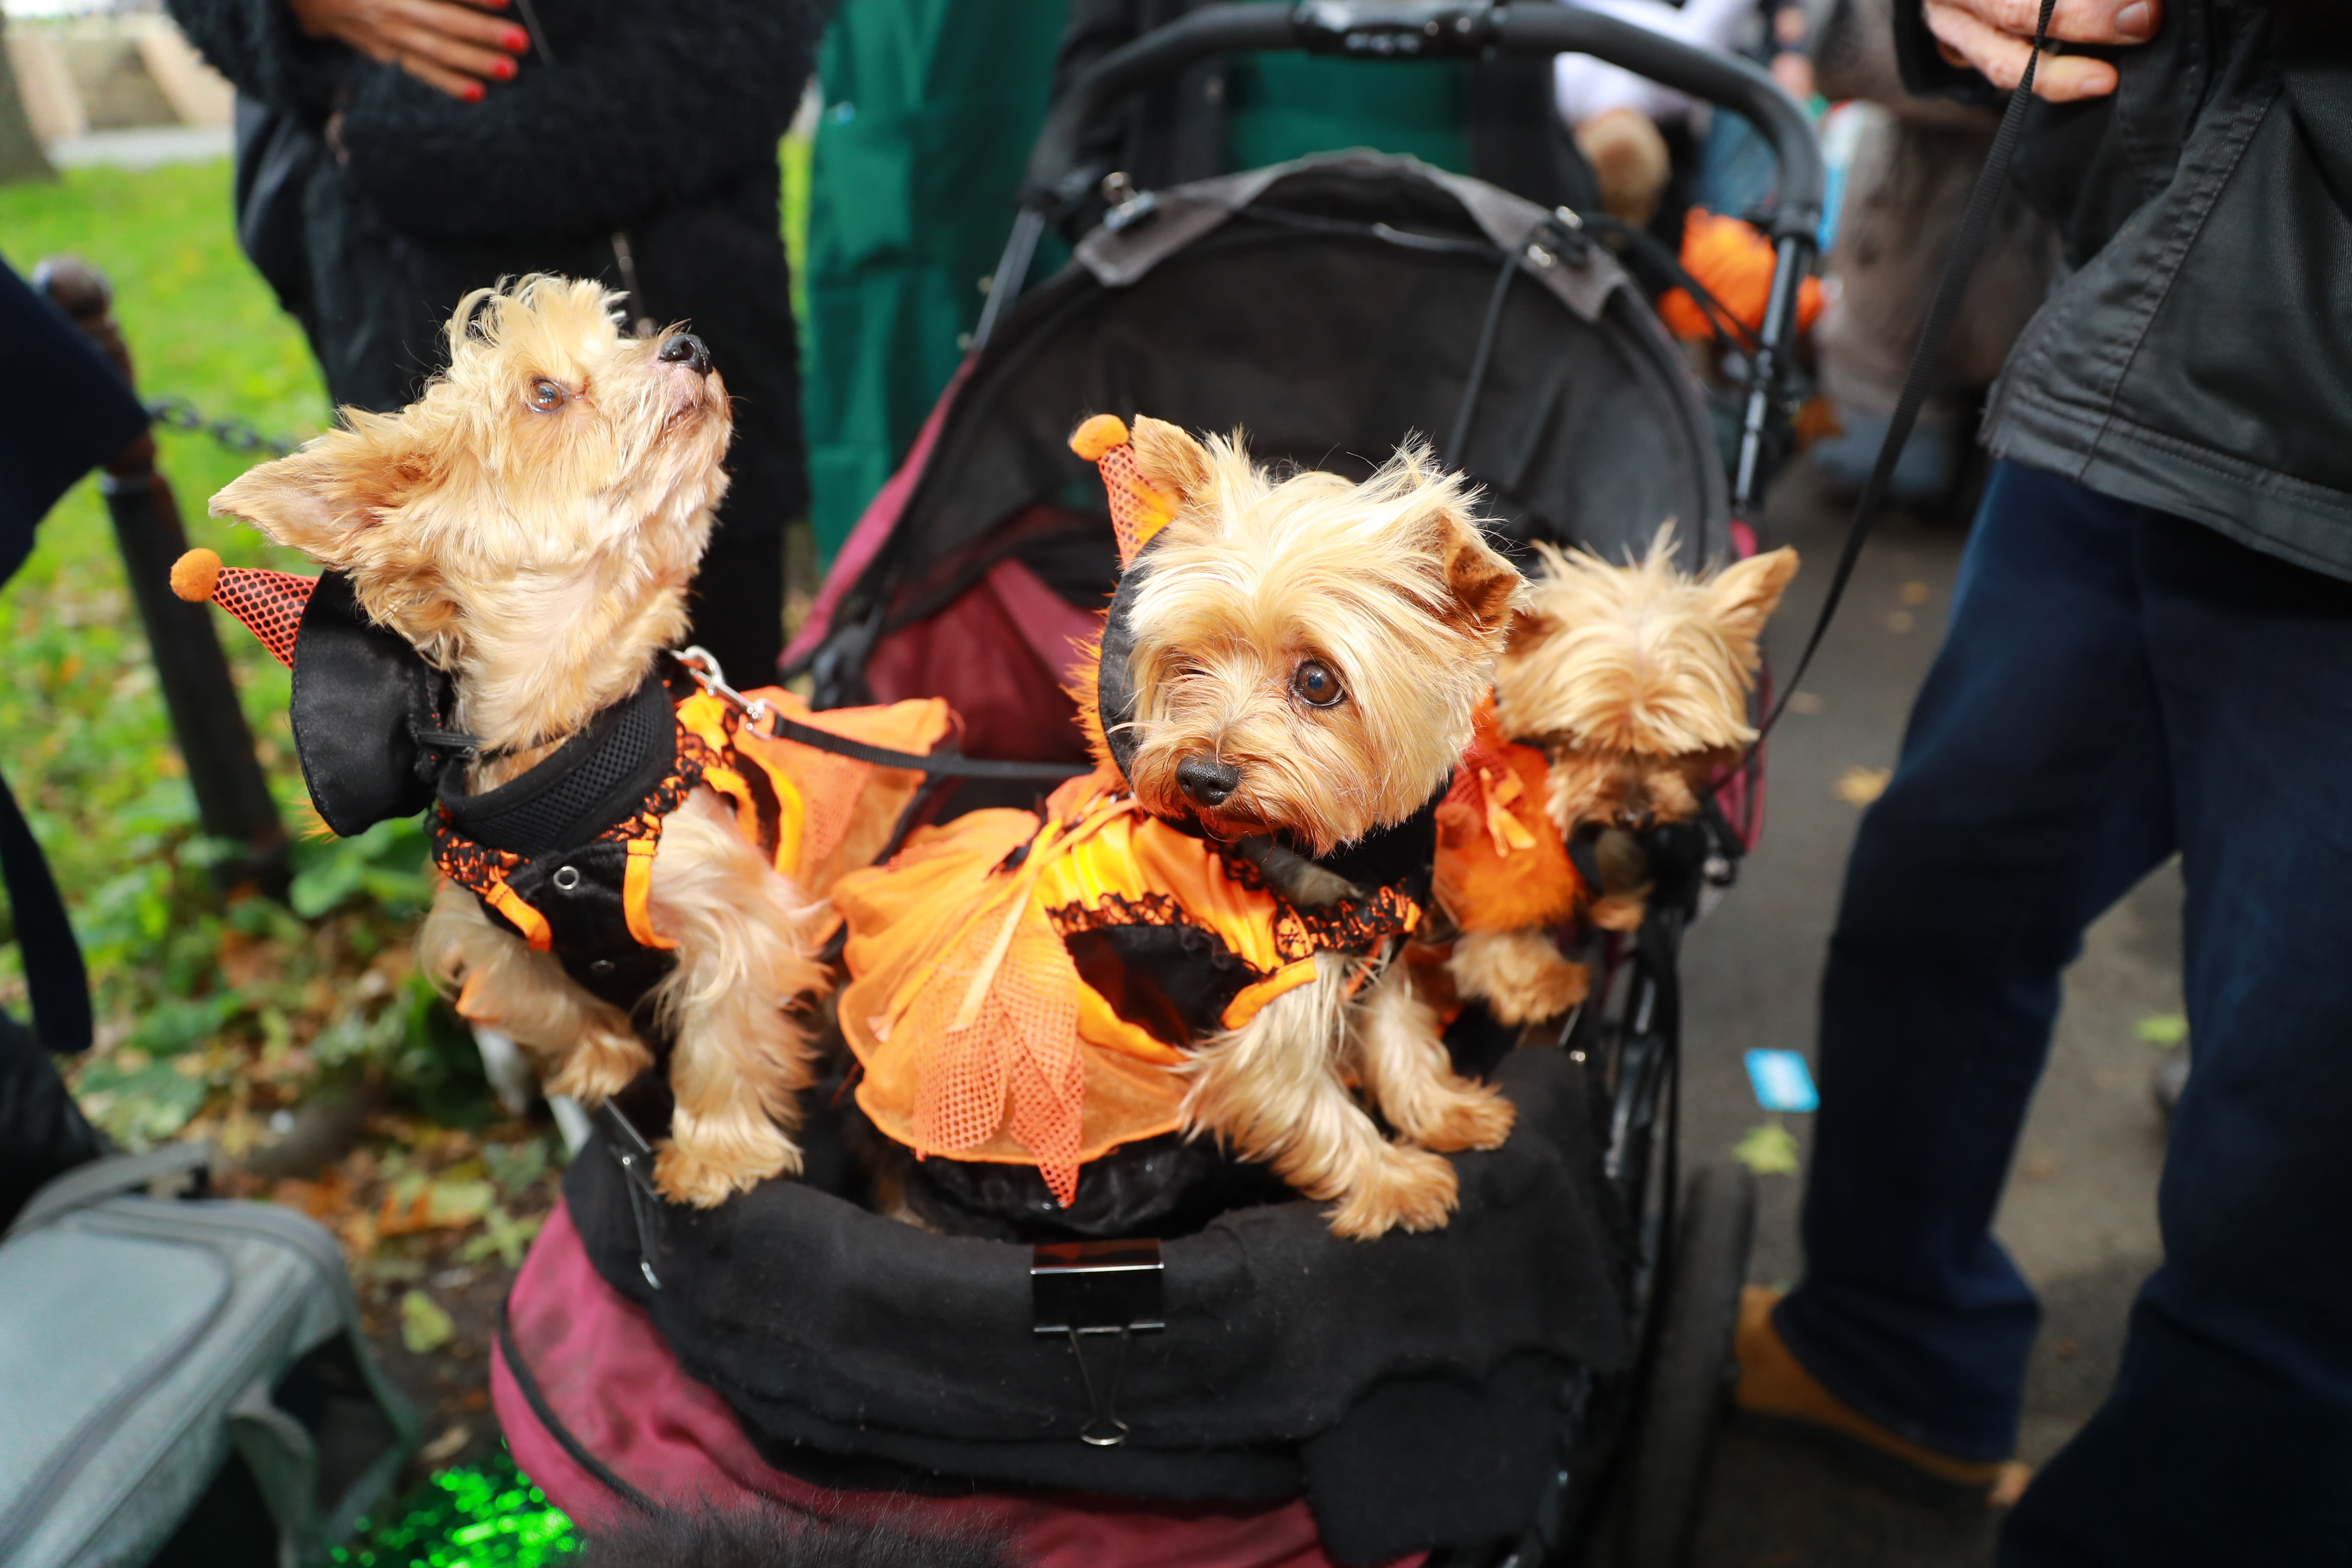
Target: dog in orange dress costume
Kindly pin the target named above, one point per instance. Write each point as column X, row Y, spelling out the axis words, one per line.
column 1199, row 934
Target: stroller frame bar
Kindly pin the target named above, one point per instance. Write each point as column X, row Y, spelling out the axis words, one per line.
column 1059, row 181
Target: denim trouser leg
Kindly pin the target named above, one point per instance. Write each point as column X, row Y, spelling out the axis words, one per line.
column 2032, row 793
column 2116, row 683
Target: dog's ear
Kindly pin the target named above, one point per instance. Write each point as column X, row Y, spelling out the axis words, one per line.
column 1170, row 461
column 321, row 499
column 1531, row 629
column 1483, row 587
column 1743, row 595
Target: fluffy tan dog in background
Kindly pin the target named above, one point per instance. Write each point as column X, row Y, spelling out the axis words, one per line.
column 1634, row 680
column 530, row 525
column 1306, row 658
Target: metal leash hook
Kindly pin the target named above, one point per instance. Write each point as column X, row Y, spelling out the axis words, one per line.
column 1092, row 1288
column 700, row 663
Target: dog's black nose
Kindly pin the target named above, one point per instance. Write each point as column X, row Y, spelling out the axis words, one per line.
column 685, row 348
column 1206, row 781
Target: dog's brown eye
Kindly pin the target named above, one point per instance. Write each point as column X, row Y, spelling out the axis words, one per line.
column 546, row 396
column 1316, row 684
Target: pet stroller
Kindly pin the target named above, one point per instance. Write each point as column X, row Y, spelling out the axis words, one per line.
column 1248, row 1389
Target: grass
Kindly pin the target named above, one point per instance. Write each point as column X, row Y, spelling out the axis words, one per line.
column 213, row 1011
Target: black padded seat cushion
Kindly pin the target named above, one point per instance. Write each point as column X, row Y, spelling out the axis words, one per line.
column 1409, row 1386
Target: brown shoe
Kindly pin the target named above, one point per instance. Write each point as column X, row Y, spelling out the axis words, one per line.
column 1776, row 1391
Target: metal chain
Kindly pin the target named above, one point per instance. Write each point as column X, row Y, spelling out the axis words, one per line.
column 235, row 434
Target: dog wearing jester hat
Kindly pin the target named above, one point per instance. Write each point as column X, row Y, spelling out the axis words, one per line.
column 1204, row 934
column 627, row 868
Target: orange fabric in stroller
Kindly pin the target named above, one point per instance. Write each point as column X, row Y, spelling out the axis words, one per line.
column 977, row 1035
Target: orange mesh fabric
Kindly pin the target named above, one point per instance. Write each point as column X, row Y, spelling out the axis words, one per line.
column 1012, row 1061
column 1136, row 511
column 977, row 1036
column 851, row 808
column 270, row 605
column 1501, row 863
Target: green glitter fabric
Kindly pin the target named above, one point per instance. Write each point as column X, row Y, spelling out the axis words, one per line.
column 489, row 1517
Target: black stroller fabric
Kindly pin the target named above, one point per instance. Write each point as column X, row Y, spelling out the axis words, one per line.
column 1411, row 1387
column 1332, row 308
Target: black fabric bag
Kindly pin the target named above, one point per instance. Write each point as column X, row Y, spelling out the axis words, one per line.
column 1410, row 1387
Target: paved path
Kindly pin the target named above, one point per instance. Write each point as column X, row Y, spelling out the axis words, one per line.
column 2080, row 1210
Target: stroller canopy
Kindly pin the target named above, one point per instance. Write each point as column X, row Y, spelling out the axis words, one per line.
column 1332, row 308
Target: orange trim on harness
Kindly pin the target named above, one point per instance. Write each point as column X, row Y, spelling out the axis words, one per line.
column 520, row 915
column 1254, row 997
column 637, row 891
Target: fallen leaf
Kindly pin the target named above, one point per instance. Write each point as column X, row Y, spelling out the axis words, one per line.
column 415, row 1203
column 448, row 1445
column 424, row 1326
column 1859, row 787
column 1914, row 593
column 2164, row 1029
column 1899, row 621
column 319, row 1199
column 504, row 1235
column 1768, row 1150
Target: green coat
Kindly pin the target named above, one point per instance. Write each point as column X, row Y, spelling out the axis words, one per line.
column 930, row 110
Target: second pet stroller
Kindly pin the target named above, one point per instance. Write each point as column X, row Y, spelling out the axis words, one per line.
column 1471, row 1392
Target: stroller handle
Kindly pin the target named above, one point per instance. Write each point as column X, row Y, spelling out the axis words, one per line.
column 1429, row 29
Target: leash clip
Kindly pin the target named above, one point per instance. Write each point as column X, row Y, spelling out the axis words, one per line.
column 703, row 664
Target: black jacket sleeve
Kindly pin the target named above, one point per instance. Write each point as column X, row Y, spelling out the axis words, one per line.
column 645, row 103
column 256, row 45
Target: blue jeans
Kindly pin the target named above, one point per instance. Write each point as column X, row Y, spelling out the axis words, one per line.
column 2118, row 684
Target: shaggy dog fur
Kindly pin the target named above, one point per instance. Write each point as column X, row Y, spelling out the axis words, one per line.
column 1634, row 680
column 1307, row 658
column 530, row 525
column 773, row 1538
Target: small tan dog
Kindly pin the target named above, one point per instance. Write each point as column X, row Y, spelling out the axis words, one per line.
column 530, row 525
column 1201, row 935
column 1304, row 660
column 1634, row 681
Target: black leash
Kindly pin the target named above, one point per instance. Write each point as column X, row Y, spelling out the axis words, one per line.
column 948, row 763
column 757, row 713
column 55, row 981
column 1925, row 357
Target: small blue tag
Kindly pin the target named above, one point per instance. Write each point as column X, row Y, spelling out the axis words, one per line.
column 1782, row 1081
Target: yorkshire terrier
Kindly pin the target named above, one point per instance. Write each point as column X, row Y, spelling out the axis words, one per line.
column 1634, row 681
column 1306, row 657
column 530, row 525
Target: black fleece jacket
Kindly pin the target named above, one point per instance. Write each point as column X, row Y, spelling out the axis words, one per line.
column 372, row 204
column 2196, row 359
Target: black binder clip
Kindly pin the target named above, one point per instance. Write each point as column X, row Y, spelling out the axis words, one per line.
column 1091, row 1288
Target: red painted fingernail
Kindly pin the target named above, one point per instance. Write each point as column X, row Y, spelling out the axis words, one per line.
column 503, row 69
column 474, row 91
column 516, row 39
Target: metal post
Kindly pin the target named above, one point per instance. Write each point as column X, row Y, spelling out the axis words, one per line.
column 233, row 799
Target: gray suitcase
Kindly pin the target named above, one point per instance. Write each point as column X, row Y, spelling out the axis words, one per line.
column 175, row 1373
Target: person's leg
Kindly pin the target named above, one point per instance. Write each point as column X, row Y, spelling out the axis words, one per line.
column 2031, row 794
column 2227, row 1438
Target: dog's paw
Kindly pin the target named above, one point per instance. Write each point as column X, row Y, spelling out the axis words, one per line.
column 1618, row 912
column 600, row 1065
column 686, row 1171
column 1545, row 991
column 1474, row 1119
column 1409, row 1189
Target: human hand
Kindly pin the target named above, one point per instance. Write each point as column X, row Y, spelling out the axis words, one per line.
column 1995, row 37
column 451, row 46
